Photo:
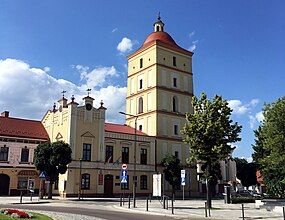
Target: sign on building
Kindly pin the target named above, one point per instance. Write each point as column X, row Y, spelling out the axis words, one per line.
column 156, row 185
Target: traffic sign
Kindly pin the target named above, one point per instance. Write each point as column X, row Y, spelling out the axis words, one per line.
column 124, row 176
column 124, row 166
column 42, row 175
column 183, row 177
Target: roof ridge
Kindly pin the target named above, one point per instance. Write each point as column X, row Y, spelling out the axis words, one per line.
column 22, row 119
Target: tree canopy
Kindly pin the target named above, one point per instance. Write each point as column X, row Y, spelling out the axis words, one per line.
column 246, row 172
column 172, row 171
column 209, row 132
column 269, row 147
column 52, row 159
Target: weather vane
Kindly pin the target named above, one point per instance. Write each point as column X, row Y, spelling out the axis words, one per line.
column 88, row 91
column 63, row 92
column 158, row 16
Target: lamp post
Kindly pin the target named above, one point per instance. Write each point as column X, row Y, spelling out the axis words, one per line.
column 135, row 158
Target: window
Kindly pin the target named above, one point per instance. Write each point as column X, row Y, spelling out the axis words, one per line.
column 25, row 155
column 157, row 28
column 140, row 127
column 176, row 154
column 109, row 154
column 143, row 156
column 4, row 153
column 125, row 155
column 174, row 61
column 175, row 104
column 86, row 156
column 22, row 183
column 85, row 181
column 141, row 62
column 175, row 129
column 140, row 110
column 175, row 82
column 141, row 84
column 55, row 186
column 125, row 185
column 143, row 182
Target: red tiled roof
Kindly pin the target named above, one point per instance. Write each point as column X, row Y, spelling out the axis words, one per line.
column 17, row 127
column 164, row 39
column 118, row 128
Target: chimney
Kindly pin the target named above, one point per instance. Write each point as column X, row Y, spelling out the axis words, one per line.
column 5, row 114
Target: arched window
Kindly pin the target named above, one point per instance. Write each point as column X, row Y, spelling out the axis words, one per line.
column 85, row 181
column 175, row 104
column 140, row 110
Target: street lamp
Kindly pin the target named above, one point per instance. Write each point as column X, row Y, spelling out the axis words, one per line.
column 135, row 158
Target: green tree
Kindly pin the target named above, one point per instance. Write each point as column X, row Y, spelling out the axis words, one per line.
column 209, row 132
column 270, row 146
column 172, row 171
column 246, row 172
column 53, row 160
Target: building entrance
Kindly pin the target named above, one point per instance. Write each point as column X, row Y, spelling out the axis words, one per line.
column 108, row 185
column 4, row 184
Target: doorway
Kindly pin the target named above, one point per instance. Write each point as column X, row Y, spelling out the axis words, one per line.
column 4, row 184
column 108, row 185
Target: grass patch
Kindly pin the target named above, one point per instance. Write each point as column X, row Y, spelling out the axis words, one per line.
column 36, row 216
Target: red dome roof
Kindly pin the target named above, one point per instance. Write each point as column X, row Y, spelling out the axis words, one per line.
column 160, row 36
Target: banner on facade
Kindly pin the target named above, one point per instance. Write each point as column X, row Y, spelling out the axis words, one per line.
column 156, row 185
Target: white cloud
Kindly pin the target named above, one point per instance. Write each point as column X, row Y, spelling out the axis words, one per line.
column 114, row 30
column 259, row 116
column 29, row 92
column 239, row 108
column 46, row 69
column 192, row 34
column 252, row 121
column 125, row 45
column 97, row 76
column 194, row 45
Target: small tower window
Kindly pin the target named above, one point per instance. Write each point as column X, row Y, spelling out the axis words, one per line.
column 175, row 104
column 141, row 62
column 140, row 127
column 140, row 110
column 175, row 82
column 175, row 129
column 174, row 61
column 141, row 84
column 157, row 28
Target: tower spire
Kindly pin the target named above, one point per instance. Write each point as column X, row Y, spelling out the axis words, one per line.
column 158, row 25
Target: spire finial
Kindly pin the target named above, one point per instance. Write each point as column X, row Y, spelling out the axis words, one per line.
column 158, row 16
column 72, row 98
column 101, row 103
column 54, row 107
column 63, row 92
column 88, row 91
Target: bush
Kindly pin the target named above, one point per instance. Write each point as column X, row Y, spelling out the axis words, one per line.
column 237, row 200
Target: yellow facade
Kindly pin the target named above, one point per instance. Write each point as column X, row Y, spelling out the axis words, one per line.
column 160, row 74
column 85, row 125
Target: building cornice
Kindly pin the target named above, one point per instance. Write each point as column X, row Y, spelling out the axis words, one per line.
column 176, row 114
column 161, row 65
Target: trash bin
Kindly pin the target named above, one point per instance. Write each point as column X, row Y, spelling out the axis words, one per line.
column 227, row 194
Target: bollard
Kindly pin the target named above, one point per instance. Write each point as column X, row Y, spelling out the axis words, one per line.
column 21, row 197
column 206, row 214
column 149, row 197
column 172, row 204
column 120, row 199
column 283, row 213
column 31, row 198
column 167, row 203
column 129, row 202
column 242, row 211
column 209, row 211
column 147, row 204
column 163, row 199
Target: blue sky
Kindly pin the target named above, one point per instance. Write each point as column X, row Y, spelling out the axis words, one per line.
column 47, row 46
